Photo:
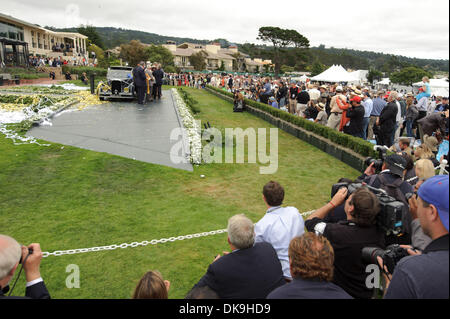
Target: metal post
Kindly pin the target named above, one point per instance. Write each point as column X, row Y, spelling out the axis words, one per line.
column 92, row 81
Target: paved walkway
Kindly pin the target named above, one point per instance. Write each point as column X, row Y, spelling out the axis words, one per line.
column 120, row 128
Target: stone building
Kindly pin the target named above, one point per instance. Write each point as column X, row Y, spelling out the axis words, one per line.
column 19, row 38
column 232, row 59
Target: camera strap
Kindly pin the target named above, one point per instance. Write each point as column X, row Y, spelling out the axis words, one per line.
column 18, row 276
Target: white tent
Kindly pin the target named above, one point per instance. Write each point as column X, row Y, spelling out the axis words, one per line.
column 439, row 87
column 360, row 75
column 385, row 81
column 335, row 74
column 383, row 84
column 303, row 78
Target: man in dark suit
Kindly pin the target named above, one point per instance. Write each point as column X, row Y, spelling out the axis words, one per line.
column 140, row 81
column 250, row 271
column 159, row 75
column 387, row 121
column 356, row 115
column 11, row 254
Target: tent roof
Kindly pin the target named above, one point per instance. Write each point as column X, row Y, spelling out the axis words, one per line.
column 335, row 74
column 361, row 75
column 385, row 81
column 435, row 83
column 439, row 87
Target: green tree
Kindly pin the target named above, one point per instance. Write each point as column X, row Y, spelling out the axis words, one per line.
column 170, row 69
column 238, row 63
column 222, row 66
column 198, row 61
column 92, row 34
column 160, row 54
column 317, row 68
column 409, row 75
column 134, row 52
column 280, row 39
column 223, row 42
column 102, row 61
column 374, row 75
column 286, row 69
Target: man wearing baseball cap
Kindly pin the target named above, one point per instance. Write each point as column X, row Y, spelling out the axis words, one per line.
column 356, row 115
column 425, row 275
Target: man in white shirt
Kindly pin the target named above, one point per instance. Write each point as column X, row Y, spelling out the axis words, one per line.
column 280, row 225
column 431, row 107
column 314, row 93
column 399, row 120
column 422, row 104
column 368, row 107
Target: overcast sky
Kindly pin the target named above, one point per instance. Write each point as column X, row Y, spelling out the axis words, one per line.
column 415, row 28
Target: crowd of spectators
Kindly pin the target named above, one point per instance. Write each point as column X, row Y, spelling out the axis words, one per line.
column 38, row 62
column 380, row 116
column 277, row 259
column 282, row 256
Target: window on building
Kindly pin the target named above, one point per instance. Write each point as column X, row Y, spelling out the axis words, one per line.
column 11, row 31
column 3, row 30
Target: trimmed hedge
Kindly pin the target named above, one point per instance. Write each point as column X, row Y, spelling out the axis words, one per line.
column 357, row 145
column 79, row 70
column 25, row 73
column 189, row 100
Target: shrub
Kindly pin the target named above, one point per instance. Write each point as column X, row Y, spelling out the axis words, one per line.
column 25, row 73
column 189, row 100
column 79, row 70
column 358, row 145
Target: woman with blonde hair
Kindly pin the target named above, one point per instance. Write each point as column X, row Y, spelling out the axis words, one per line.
column 425, row 169
column 152, row 286
column 423, row 152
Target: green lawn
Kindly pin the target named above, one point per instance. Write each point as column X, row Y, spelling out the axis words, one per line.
column 67, row 198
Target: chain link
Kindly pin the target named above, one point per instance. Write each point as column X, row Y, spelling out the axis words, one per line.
column 137, row 244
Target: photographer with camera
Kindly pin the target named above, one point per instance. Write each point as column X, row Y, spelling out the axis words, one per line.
column 348, row 238
column 425, row 275
column 390, row 179
column 239, row 102
column 11, row 256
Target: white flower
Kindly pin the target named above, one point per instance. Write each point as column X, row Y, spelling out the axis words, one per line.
column 192, row 127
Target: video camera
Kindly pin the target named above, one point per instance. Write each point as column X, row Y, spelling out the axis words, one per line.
column 378, row 164
column 389, row 219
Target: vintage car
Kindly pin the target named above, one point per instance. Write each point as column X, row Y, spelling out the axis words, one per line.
column 119, row 84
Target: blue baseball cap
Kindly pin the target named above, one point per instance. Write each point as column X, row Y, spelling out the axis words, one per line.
column 435, row 192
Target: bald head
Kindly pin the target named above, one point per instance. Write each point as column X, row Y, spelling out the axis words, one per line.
column 10, row 252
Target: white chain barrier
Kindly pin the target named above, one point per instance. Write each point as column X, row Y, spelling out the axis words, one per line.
column 137, row 244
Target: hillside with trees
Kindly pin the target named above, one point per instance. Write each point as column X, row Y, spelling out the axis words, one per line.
column 311, row 59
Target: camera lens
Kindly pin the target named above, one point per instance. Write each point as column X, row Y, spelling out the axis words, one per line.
column 370, row 254
column 368, row 161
